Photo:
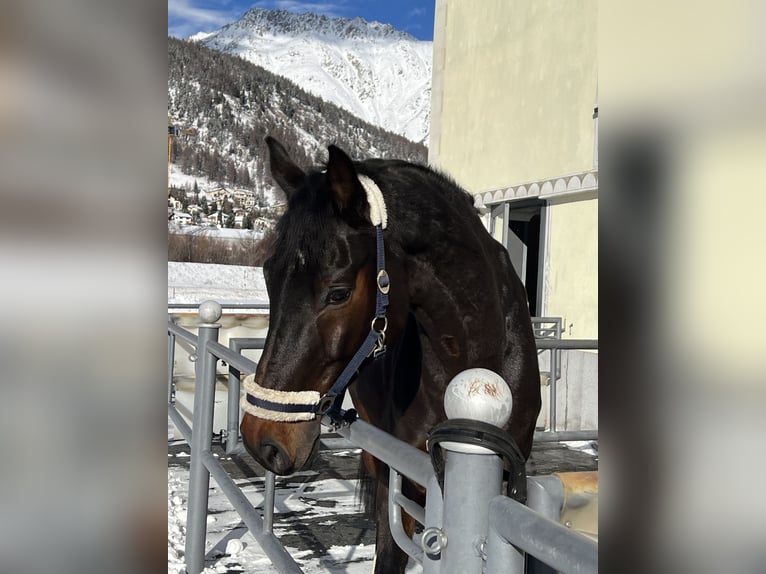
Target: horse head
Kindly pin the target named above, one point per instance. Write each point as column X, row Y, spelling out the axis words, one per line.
column 321, row 280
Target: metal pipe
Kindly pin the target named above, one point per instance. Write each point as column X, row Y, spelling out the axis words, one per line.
column 336, row 443
column 244, row 364
column 395, row 518
column 171, row 361
column 223, row 305
column 562, row 549
column 202, row 431
column 180, row 423
column 432, row 564
column 552, row 393
column 182, row 333
column 248, row 342
column 471, row 480
column 545, row 495
column 567, row 344
column 411, row 507
column 550, row 436
column 237, row 345
column 413, row 463
column 269, row 543
column 268, row 501
column 232, row 410
column 501, row 556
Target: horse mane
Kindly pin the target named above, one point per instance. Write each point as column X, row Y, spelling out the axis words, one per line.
column 414, row 193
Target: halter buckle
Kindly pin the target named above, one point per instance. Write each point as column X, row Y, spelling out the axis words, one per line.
column 384, row 283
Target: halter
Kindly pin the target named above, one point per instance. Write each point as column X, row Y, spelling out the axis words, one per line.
column 294, row 406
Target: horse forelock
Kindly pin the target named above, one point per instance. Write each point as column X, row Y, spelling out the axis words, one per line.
column 303, row 232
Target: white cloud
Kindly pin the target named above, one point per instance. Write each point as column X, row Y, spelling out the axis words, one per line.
column 185, row 19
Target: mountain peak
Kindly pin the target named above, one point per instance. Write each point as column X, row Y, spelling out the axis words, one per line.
column 282, row 22
column 370, row 69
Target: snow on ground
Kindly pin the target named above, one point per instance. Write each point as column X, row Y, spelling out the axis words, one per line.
column 231, row 548
column 587, row 446
column 182, row 180
column 196, row 282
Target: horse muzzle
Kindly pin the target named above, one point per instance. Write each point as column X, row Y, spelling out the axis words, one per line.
column 283, row 448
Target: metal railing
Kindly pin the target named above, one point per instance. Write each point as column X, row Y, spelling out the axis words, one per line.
column 467, row 526
column 548, row 331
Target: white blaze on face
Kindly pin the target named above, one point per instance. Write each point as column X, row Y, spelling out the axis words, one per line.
column 301, row 258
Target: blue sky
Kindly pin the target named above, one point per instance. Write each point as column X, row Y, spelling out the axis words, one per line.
column 186, row 17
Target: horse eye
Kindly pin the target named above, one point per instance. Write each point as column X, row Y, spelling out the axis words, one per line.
column 338, row 295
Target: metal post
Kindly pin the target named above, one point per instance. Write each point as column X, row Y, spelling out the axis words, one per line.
column 268, row 501
column 552, row 398
column 473, row 475
column 232, row 408
column 202, row 431
column 237, row 345
column 171, row 361
column 471, row 480
column 503, row 556
column 545, row 495
column 434, row 508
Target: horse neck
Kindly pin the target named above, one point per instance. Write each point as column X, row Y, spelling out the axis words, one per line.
column 457, row 289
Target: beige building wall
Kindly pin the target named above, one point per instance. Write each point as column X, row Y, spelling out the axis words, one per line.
column 517, row 90
column 572, row 266
column 514, row 88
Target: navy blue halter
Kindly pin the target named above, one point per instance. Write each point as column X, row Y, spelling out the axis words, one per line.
column 374, row 345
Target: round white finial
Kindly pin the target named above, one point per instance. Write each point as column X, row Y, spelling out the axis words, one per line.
column 479, row 394
column 210, row 311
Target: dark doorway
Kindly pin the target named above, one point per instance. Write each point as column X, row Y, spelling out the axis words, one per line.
column 523, row 241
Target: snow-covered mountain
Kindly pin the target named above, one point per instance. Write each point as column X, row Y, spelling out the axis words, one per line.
column 230, row 105
column 374, row 71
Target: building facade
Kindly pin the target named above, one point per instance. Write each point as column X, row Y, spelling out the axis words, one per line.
column 514, row 120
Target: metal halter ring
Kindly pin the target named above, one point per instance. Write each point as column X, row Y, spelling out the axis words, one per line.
column 385, row 325
column 324, row 404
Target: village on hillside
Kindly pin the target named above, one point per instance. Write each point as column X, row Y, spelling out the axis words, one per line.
column 221, row 208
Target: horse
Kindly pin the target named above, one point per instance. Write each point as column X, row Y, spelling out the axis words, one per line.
column 452, row 301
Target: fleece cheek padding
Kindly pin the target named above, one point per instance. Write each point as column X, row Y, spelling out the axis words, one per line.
column 280, row 397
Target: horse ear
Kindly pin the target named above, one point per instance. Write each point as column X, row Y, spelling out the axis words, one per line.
column 344, row 183
column 287, row 175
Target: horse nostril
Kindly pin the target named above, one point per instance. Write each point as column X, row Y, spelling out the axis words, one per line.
column 275, row 458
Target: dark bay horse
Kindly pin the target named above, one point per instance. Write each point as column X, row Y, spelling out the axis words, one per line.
column 454, row 302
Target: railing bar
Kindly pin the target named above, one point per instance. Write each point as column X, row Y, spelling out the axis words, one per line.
column 564, row 550
column 180, row 423
column 236, row 360
column 183, row 333
column 269, row 543
column 567, row 344
column 548, row 436
column 223, row 306
column 413, row 508
column 248, row 342
column 413, row 463
column 395, row 520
